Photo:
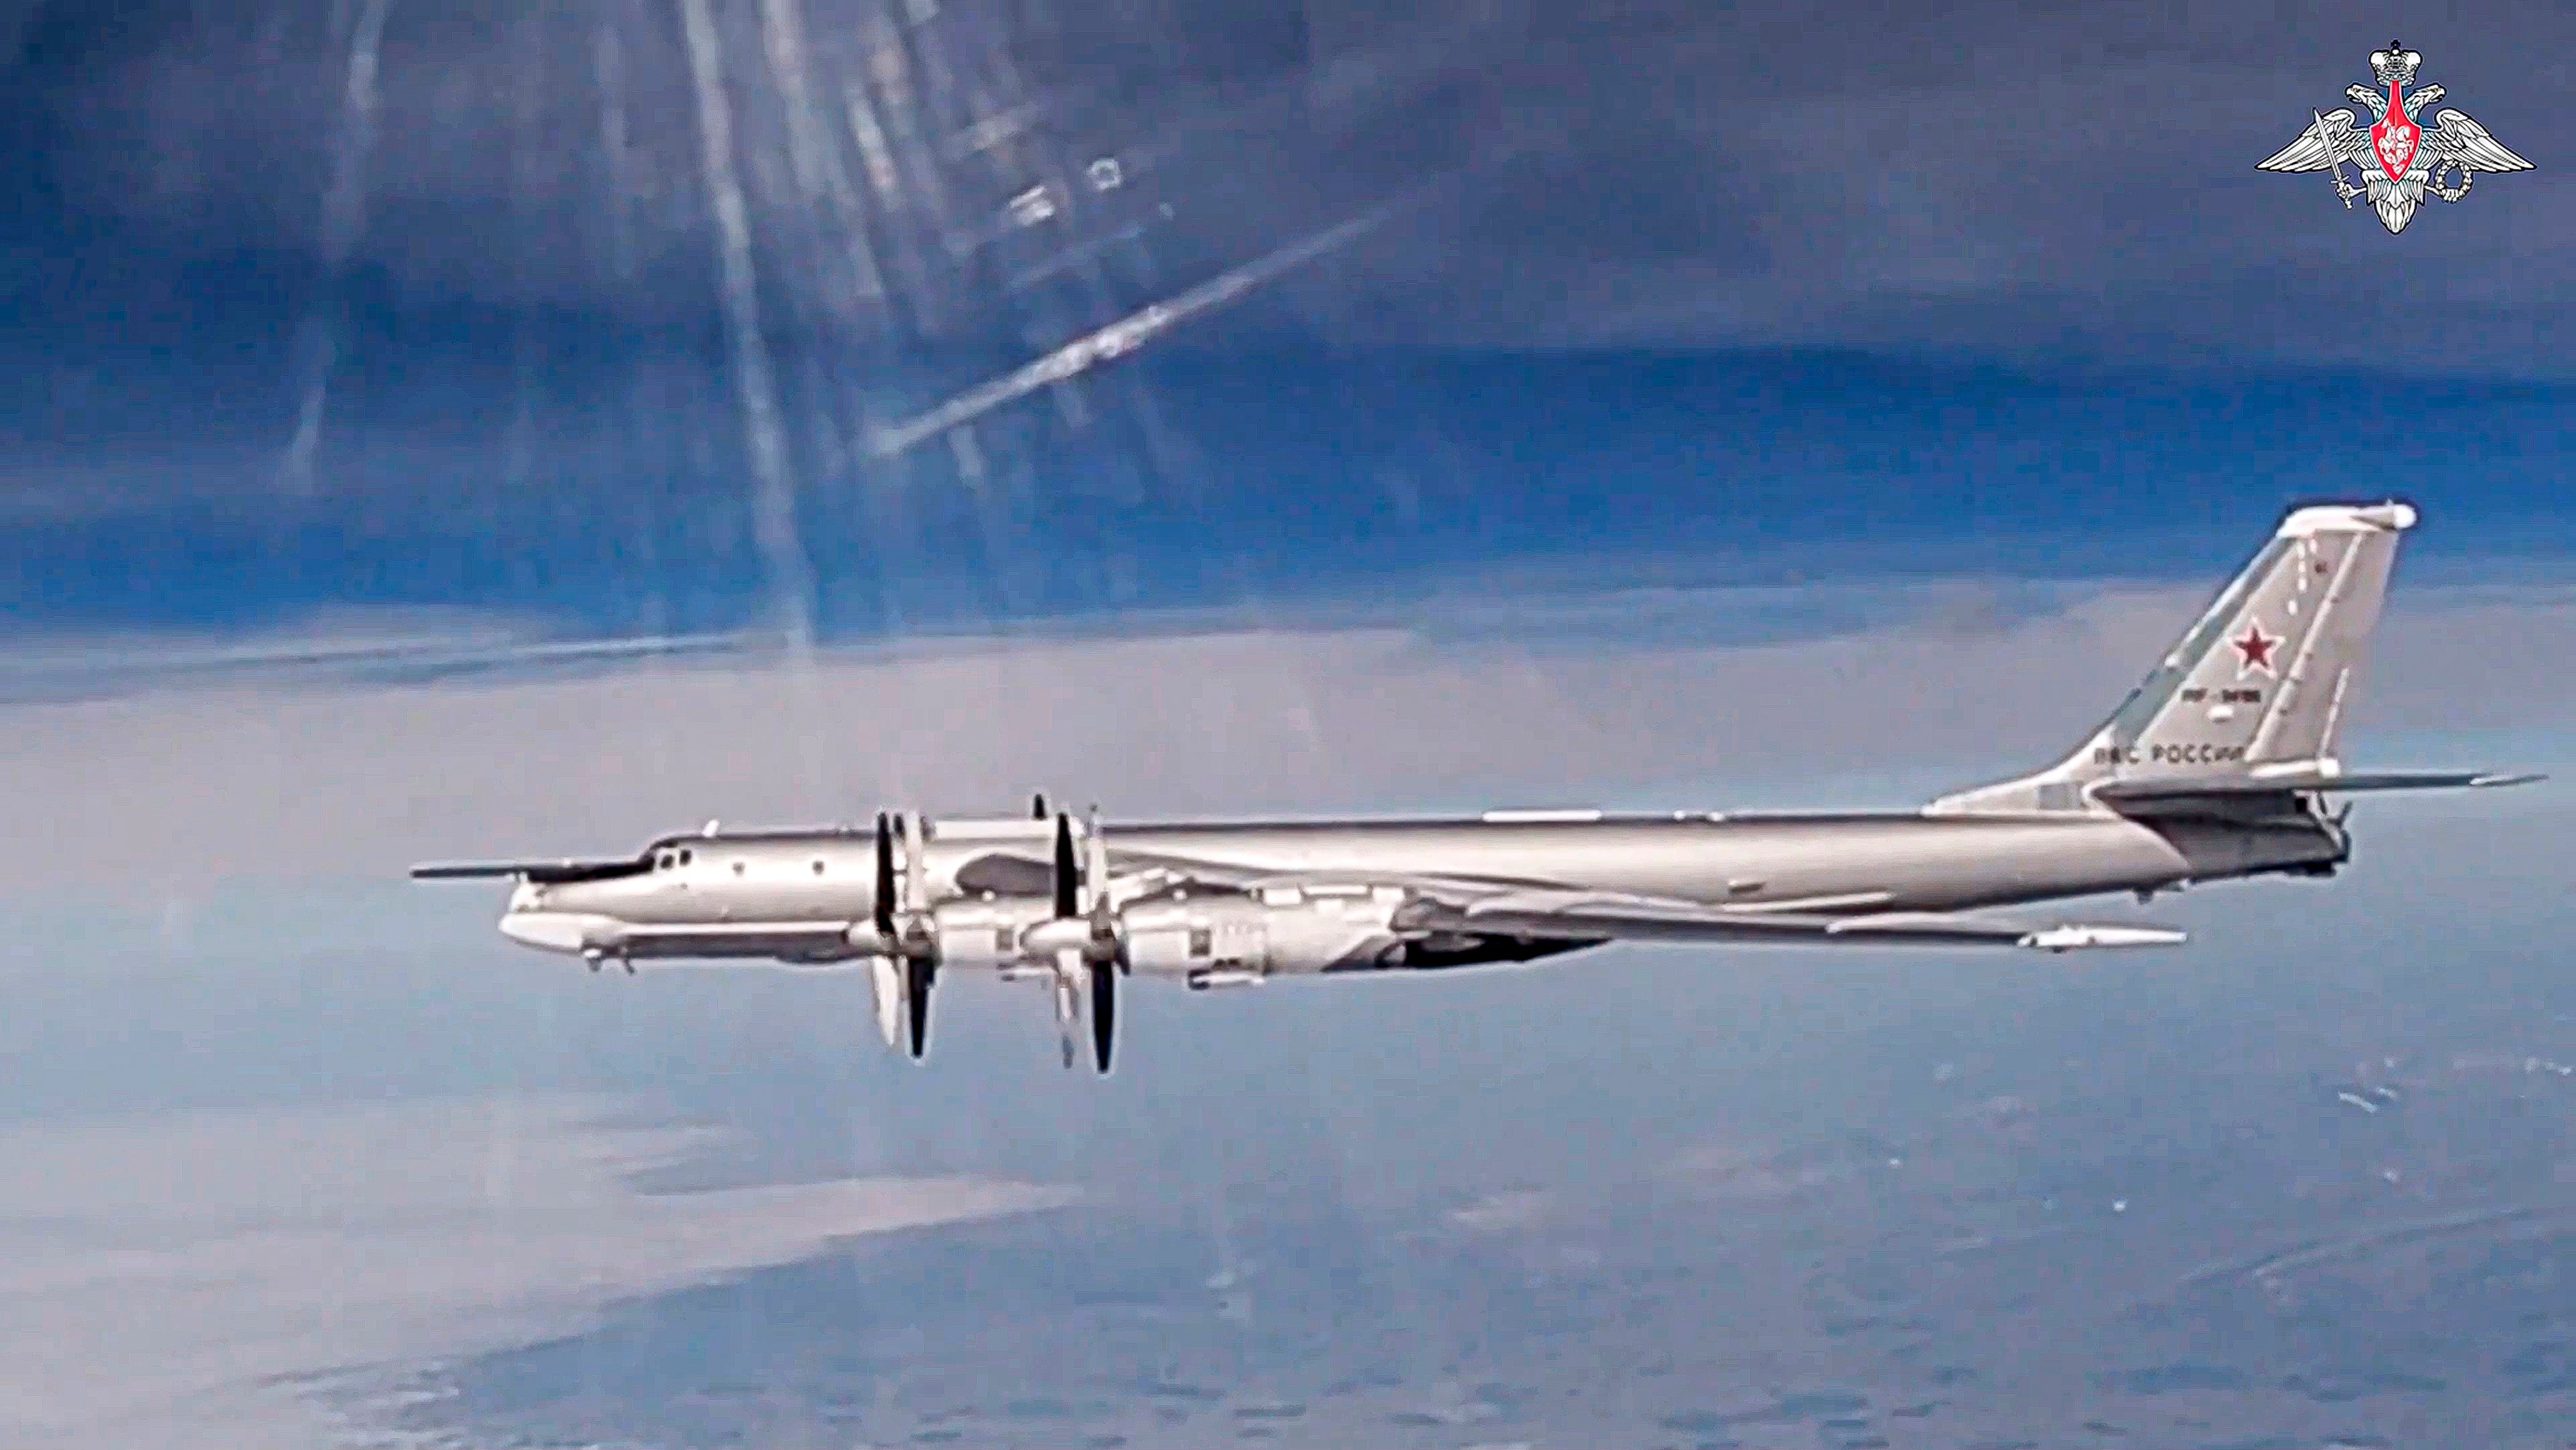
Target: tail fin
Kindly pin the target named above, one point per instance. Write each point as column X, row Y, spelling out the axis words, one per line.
column 2257, row 686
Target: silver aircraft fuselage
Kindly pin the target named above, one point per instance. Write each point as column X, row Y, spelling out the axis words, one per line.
column 2218, row 765
column 1914, row 862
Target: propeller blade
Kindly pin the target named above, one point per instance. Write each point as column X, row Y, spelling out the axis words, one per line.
column 916, row 992
column 1104, row 908
column 1037, row 806
column 1068, row 997
column 916, row 864
column 885, row 984
column 1067, row 904
column 1095, row 873
column 885, row 877
column 1104, row 1012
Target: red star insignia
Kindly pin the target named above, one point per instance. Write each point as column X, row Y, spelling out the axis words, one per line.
column 2254, row 648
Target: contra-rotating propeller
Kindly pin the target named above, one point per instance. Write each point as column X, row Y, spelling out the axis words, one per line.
column 903, row 938
column 1081, row 938
column 1108, row 953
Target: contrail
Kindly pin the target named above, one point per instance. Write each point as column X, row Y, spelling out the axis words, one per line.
column 1117, row 339
column 773, row 500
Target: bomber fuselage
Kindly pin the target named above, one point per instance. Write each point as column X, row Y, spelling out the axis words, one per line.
column 755, row 882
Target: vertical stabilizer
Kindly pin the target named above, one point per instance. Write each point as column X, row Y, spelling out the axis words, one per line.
column 2263, row 678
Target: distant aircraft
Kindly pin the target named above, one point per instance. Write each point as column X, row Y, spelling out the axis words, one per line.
column 2216, row 766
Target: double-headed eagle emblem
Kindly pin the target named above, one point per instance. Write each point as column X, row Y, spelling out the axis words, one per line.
column 2399, row 157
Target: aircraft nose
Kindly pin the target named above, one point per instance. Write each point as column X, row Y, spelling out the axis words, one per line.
column 552, row 931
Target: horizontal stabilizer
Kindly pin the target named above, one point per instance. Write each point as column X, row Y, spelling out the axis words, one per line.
column 543, row 873
column 2262, row 783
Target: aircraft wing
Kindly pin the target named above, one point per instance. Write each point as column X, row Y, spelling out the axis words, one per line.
column 1140, row 871
column 1619, row 917
column 1533, row 910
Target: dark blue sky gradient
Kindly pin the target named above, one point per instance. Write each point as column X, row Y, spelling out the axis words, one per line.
column 1761, row 296
column 1288, row 479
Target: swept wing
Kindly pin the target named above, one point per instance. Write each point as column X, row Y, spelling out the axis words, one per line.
column 1621, row 917
column 1532, row 910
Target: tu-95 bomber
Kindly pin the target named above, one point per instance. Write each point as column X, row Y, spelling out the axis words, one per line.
column 2221, row 764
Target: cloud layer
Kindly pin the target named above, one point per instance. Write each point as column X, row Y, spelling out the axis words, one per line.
column 176, row 791
column 168, row 1280
column 165, row 1270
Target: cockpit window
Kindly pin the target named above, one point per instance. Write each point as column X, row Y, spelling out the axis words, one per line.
column 684, row 855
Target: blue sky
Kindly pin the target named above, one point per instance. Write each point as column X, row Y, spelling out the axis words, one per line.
column 1279, row 480
column 1688, row 289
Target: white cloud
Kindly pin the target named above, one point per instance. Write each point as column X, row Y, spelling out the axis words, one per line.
column 157, row 1273
column 172, row 792
column 1727, row 1170
column 160, row 1276
column 1517, row 1210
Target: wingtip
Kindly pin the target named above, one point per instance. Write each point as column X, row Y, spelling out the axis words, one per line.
column 2506, row 777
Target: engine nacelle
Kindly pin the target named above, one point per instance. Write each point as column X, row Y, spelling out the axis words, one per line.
column 1277, row 932
column 985, row 933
